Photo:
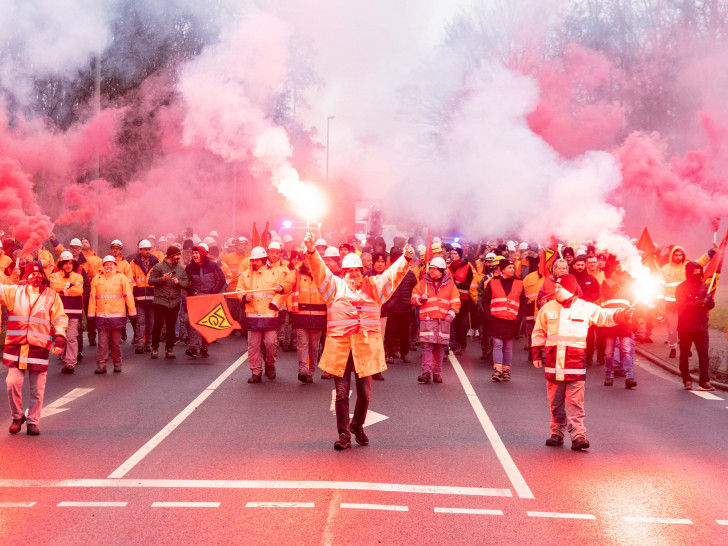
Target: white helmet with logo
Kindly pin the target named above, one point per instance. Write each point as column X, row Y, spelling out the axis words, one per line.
column 351, row 260
column 66, row 256
column 438, row 263
column 258, row 253
column 109, row 258
column 332, row 252
column 75, row 242
column 145, row 244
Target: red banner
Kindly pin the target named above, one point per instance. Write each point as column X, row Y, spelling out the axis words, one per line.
column 712, row 270
column 649, row 251
column 210, row 316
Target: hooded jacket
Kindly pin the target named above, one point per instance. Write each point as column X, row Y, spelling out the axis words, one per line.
column 674, row 274
column 693, row 302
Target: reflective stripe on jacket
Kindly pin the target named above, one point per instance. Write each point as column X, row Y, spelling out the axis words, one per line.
column 307, row 305
column 562, row 332
column 443, row 299
column 70, row 289
column 142, row 290
column 258, row 312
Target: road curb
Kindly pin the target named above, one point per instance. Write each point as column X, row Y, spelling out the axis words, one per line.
column 662, row 363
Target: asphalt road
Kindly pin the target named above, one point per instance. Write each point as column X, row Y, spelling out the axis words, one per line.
column 186, row 451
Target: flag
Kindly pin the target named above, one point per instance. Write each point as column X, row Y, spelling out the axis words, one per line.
column 649, row 251
column 546, row 261
column 712, row 270
column 256, row 237
column 210, row 316
column 265, row 237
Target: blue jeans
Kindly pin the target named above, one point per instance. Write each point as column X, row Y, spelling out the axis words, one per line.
column 626, row 354
column 502, row 351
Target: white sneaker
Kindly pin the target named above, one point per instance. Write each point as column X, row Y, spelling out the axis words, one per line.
column 470, row 332
column 477, row 334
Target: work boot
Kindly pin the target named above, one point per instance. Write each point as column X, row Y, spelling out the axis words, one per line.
column 68, row 368
column 506, row 375
column 302, row 377
column 147, row 349
column 169, row 353
column 32, row 430
column 555, row 440
column 309, row 378
column 344, row 441
column 458, row 352
column 424, row 378
column 358, row 432
column 579, row 443
column 497, row 372
column 117, row 368
column 437, row 378
column 139, row 350
column 706, row 386
column 270, row 372
column 16, row 425
column 123, row 335
column 100, row 368
column 378, row 376
column 191, row 352
column 673, row 353
column 204, row 353
column 609, row 381
column 92, row 341
column 326, row 375
column 630, row 383
column 155, row 354
column 79, row 357
column 255, row 378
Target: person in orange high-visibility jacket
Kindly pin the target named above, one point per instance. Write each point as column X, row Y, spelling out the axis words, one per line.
column 111, row 299
column 70, row 281
column 353, row 331
column 36, row 320
column 673, row 273
column 560, row 332
column 438, row 300
column 271, row 284
column 308, row 318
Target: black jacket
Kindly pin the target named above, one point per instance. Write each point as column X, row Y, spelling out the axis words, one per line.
column 693, row 304
column 400, row 300
column 589, row 286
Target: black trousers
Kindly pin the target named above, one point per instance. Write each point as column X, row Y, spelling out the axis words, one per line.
column 701, row 341
column 164, row 316
column 397, row 334
column 363, row 391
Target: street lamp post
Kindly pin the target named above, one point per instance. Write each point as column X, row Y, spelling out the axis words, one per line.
column 328, row 128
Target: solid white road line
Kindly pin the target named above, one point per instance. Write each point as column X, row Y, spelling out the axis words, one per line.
column 260, row 484
column 143, row 451
column 279, row 505
column 102, row 504
column 560, row 515
column 390, row 507
column 519, row 484
column 636, row 519
column 481, row 511
column 185, row 504
column 17, row 504
column 706, row 395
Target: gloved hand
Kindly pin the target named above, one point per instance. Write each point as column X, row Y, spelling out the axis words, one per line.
column 624, row 316
column 449, row 318
column 273, row 306
column 247, row 298
column 60, row 344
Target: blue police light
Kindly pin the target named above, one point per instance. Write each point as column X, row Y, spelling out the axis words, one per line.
column 287, row 223
column 456, row 239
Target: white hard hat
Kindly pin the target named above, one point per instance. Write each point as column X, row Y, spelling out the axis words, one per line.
column 208, row 240
column 490, row 256
column 456, row 245
column 275, row 245
column 66, row 256
column 436, row 241
column 511, row 247
column 581, row 250
column 145, row 244
column 109, row 258
column 242, row 240
column 258, row 253
column 214, row 234
column 171, row 237
column 287, row 238
column 203, row 245
column 196, row 239
column 115, row 242
column 438, row 262
column 352, row 259
column 75, row 242
column 523, row 246
column 276, row 239
column 421, row 249
column 332, row 252
column 320, row 242
column 151, row 236
column 162, row 239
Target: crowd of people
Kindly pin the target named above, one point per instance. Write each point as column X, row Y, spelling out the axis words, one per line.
column 355, row 307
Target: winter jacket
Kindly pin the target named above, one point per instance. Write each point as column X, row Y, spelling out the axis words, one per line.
column 167, row 293
column 111, row 299
column 693, row 303
column 589, row 286
column 500, row 327
column 143, row 292
column 674, row 274
column 206, row 278
column 261, row 313
column 70, row 288
column 400, row 300
column 308, row 309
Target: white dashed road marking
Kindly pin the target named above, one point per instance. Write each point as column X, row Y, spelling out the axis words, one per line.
column 706, row 395
column 390, row 507
column 143, row 451
column 55, row 406
column 560, row 515
column 722, row 521
column 101, row 504
column 519, row 484
column 17, row 504
column 481, row 511
column 279, row 505
column 635, row 519
column 185, row 505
